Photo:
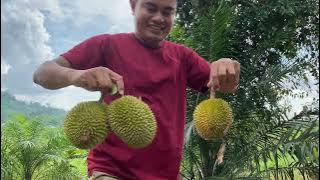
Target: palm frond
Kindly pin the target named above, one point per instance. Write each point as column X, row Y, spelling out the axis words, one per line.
column 295, row 140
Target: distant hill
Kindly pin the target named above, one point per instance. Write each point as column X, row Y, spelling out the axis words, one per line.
column 9, row 104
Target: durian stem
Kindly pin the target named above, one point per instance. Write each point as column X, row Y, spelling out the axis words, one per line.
column 212, row 93
column 112, row 91
column 85, row 138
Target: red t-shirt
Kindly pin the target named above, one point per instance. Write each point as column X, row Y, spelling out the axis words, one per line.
column 160, row 77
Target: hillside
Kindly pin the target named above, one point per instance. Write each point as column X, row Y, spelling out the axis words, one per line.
column 9, row 105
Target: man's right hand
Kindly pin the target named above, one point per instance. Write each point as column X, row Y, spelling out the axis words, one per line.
column 97, row 79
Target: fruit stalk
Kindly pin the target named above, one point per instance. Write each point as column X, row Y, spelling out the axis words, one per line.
column 222, row 148
column 212, row 93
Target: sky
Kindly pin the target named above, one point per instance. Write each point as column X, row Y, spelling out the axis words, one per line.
column 34, row 31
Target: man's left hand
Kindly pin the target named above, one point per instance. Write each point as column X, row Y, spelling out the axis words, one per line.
column 224, row 75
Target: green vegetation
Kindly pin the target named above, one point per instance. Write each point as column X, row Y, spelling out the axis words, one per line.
column 9, row 105
column 32, row 150
column 33, row 145
column 276, row 43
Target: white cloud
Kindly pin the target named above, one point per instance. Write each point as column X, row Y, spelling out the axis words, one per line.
column 64, row 98
column 4, row 67
column 297, row 103
column 310, row 91
column 50, row 6
column 23, row 44
column 24, row 35
column 108, row 12
column 114, row 10
column 25, row 27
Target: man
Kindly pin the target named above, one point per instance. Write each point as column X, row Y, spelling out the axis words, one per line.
column 144, row 65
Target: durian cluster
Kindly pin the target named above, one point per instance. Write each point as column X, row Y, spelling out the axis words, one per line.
column 88, row 123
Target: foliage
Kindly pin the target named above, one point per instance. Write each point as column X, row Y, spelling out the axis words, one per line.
column 276, row 43
column 30, row 150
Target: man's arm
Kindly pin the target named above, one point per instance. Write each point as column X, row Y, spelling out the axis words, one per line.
column 54, row 74
column 58, row 73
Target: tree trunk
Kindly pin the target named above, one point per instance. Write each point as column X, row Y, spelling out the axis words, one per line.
column 27, row 176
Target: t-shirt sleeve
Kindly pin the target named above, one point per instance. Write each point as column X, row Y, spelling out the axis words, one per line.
column 87, row 54
column 198, row 71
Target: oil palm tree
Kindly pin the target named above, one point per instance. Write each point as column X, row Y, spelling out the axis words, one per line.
column 31, row 151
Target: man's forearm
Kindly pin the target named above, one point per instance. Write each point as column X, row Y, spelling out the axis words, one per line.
column 50, row 75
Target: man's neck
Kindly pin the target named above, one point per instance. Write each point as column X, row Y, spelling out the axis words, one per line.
column 149, row 44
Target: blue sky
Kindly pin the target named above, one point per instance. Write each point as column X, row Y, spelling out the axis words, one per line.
column 34, row 31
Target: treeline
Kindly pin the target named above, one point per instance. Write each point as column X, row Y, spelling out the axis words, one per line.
column 10, row 105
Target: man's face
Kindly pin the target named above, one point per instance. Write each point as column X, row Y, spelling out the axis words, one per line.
column 153, row 19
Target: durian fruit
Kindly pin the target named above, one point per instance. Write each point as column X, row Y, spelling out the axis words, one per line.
column 132, row 121
column 212, row 117
column 85, row 124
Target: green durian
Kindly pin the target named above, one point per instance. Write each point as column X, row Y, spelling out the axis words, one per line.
column 86, row 124
column 212, row 117
column 132, row 121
